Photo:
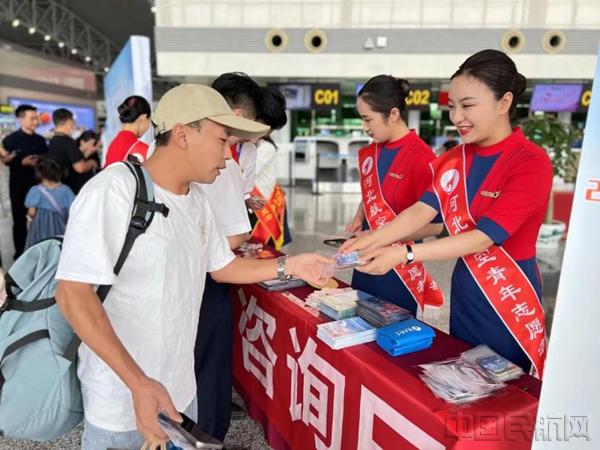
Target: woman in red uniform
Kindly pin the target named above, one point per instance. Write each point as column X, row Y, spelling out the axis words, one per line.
column 492, row 192
column 394, row 173
column 134, row 114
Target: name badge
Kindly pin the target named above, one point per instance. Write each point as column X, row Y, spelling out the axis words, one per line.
column 490, row 194
column 396, row 176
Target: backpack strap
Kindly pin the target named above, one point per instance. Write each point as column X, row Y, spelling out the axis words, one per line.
column 144, row 208
column 12, row 304
column 18, row 344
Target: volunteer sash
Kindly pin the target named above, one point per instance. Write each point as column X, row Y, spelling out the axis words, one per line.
column 419, row 283
column 499, row 277
column 270, row 219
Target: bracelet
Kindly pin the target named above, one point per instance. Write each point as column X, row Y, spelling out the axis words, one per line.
column 281, row 276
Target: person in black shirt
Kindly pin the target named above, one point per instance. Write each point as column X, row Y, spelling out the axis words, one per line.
column 88, row 143
column 65, row 151
column 22, row 149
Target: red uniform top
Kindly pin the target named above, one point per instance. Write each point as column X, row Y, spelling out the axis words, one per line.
column 125, row 143
column 403, row 168
column 520, row 174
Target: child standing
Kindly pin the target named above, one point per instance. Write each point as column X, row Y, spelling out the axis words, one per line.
column 47, row 203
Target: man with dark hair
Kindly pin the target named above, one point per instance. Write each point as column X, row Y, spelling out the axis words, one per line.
column 213, row 351
column 240, row 91
column 136, row 358
column 22, row 150
column 65, row 151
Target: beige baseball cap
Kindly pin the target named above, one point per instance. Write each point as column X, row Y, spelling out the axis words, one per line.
column 188, row 103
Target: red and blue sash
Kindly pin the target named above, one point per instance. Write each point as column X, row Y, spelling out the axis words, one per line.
column 499, row 277
column 418, row 282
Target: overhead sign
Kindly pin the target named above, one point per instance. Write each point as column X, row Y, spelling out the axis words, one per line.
column 6, row 109
column 586, row 97
column 326, row 96
column 556, row 97
column 420, row 97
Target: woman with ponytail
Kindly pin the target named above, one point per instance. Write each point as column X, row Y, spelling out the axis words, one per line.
column 134, row 114
column 492, row 192
column 394, row 173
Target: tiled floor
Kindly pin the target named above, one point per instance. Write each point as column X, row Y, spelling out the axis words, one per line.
column 311, row 219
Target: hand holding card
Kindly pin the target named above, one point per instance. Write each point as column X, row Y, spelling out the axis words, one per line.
column 347, row 260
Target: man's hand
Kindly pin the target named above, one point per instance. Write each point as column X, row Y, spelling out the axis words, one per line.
column 313, row 268
column 150, row 398
column 30, row 160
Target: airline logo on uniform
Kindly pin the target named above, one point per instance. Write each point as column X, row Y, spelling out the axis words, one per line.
column 367, row 165
column 449, row 180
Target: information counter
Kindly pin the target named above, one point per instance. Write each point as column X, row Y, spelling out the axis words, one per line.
column 308, row 396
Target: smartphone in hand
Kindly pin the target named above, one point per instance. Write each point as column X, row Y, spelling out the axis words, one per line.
column 190, row 430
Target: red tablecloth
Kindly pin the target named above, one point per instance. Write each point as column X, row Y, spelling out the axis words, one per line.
column 308, row 396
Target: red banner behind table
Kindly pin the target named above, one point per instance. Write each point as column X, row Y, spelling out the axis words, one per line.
column 309, row 396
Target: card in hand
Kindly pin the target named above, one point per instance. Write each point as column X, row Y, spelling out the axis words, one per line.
column 347, row 260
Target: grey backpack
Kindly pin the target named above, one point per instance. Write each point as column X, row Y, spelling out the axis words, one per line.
column 40, row 396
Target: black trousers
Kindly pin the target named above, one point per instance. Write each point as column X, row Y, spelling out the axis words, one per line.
column 213, row 359
column 18, row 189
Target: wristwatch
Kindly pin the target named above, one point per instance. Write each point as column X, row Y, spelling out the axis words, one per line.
column 281, row 276
column 410, row 256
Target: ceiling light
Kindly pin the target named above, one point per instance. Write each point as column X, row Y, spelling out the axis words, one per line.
column 73, row 51
column 31, row 30
column 47, row 37
column 16, row 23
column 61, row 44
column 88, row 58
column 106, row 69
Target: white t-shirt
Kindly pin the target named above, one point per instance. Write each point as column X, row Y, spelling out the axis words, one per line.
column 266, row 169
column 154, row 303
column 247, row 154
column 226, row 198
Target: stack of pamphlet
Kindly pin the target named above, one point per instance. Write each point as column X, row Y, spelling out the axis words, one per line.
column 336, row 303
column 478, row 373
column 316, row 297
column 457, row 381
column 346, row 333
column 494, row 364
column 338, row 307
column 404, row 337
column 379, row 312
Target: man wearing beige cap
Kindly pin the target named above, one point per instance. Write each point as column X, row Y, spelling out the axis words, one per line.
column 137, row 354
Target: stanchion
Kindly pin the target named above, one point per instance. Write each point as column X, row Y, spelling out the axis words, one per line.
column 315, row 185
